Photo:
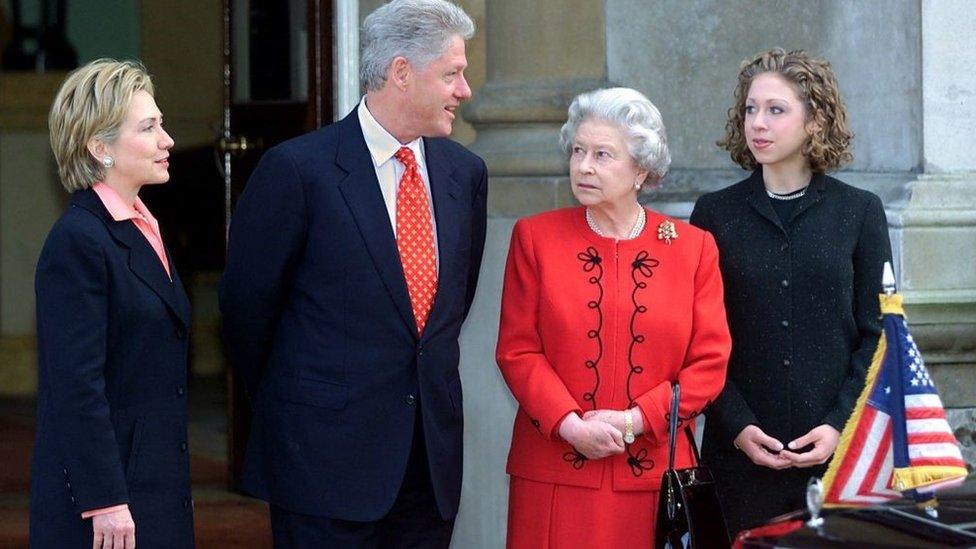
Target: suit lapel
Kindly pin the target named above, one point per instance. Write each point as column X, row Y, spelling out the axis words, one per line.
column 812, row 196
column 446, row 194
column 760, row 201
column 361, row 191
column 143, row 261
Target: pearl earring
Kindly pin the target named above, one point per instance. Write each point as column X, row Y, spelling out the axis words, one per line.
column 108, row 161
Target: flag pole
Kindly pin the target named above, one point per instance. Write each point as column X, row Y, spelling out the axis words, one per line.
column 926, row 502
column 888, row 279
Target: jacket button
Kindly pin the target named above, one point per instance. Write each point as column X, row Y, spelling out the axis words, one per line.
column 785, row 283
column 784, row 247
column 180, row 390
column 785, row 323
column 786, row 362
column 410, row 400
column 183, row 447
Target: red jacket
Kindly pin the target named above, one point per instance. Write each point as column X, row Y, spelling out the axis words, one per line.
column 591, row 323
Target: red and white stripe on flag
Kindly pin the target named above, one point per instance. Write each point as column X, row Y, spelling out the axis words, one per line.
column 875, row 462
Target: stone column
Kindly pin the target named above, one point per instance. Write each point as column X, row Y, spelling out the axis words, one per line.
column 938, row 225
column 540, row 54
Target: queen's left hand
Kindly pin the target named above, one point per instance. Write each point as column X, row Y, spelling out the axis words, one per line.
column 616, row 418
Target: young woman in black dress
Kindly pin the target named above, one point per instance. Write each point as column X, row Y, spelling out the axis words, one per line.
column 801, row 255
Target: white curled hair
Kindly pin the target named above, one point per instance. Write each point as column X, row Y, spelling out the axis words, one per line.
column 640, row 120
column 418, row 30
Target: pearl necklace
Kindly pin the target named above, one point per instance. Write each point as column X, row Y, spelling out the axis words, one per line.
column 634, row 232
column 788, row 196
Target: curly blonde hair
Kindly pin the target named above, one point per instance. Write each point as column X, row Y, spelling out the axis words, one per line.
column 829, row 146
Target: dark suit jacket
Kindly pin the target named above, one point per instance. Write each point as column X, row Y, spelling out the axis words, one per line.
column 802, row 302
column 319, row 325
column 111, row 398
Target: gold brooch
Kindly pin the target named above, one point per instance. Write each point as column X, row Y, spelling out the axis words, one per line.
column 666, row 231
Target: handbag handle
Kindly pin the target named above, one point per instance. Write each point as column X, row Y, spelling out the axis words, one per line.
column 673, row 429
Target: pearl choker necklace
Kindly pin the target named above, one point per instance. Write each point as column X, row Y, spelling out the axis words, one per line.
column 789, row 196
column 634, row 232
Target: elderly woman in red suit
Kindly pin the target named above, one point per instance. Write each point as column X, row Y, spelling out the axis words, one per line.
column 604, row 307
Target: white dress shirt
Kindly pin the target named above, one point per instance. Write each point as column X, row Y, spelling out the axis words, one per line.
column 382, row 146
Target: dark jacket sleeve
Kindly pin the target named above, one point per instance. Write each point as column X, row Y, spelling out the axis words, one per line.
column 267, row 235
column 872, row 250
column 479, row 209
column 72, row 324
column 730, row 410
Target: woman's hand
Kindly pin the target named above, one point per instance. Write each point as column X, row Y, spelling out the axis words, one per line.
column 114, row 530
column 824, row 439
column 616, row 418
column 594, row 439
column 761, row 448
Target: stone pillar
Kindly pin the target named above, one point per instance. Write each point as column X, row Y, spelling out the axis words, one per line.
column 539, row 54
column 31, row 199
column 938, row 225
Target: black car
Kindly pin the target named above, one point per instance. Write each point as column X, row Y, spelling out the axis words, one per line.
column 895, row 524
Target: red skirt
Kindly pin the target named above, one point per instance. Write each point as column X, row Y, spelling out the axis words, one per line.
column 556, row 516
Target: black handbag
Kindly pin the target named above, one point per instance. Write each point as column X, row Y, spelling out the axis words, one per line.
column 688, row 511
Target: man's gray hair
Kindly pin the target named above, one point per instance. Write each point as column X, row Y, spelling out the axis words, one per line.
column 640, row 120
column 418, row 30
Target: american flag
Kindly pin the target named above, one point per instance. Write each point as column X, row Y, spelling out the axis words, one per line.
column 897, row 441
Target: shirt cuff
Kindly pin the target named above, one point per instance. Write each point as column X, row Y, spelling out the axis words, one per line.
column 104, row 511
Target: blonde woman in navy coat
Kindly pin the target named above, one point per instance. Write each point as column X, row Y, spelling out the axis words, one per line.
column 110, row 465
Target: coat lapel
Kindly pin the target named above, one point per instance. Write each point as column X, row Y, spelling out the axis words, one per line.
column 760, row 202
column 143, row 261
column 812, row 196
column 361, row 191
column 446, row 194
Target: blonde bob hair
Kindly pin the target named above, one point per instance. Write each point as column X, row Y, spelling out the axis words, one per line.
column 829, row 146
column 92, row 103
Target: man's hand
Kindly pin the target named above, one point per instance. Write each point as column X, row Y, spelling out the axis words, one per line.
column 824, row 439
column 594, row 439
column 114, row 530
column 761, row 448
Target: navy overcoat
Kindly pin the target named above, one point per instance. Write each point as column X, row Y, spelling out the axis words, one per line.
column 111, row 398
column 319, row 324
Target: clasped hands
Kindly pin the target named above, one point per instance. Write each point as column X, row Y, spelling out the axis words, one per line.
column 599, row 433
column 766, row 451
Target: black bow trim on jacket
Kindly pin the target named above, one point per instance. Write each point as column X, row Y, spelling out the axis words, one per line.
column 642, row 267
column 592, row 263
column 692, row 415
column 577, row 459
column 639, row 462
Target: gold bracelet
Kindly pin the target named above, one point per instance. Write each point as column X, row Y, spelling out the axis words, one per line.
column 629, row 427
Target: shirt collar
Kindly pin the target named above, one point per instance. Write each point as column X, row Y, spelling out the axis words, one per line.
column 382, row 145
column 117, row 207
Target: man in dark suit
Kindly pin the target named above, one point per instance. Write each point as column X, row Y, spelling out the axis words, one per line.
column 353, row 259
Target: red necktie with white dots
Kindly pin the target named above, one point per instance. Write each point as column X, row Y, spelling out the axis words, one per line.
column 415, row 238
